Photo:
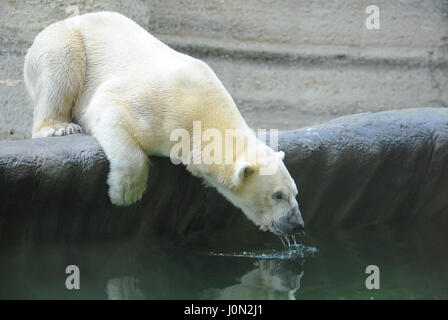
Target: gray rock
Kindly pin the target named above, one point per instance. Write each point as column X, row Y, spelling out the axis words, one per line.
column 380, row 169
column 373, row 168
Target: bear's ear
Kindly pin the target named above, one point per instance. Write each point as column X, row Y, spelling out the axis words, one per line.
column 281, row 154
column 243, row 169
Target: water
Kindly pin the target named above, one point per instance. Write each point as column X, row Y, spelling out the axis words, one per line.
column 318, row 266
column 288, row 252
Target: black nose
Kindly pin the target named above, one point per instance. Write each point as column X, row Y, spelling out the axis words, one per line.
column 292, row 222
column 296, row 222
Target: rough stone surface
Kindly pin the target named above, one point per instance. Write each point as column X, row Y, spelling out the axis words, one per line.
column 370, row 169
column 286, row 63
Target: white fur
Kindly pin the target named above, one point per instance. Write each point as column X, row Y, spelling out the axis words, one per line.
column 104, row 73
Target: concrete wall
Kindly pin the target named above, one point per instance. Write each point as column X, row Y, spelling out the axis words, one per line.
column 287, row 63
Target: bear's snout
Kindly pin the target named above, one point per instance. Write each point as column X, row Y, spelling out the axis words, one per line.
column 291, row 223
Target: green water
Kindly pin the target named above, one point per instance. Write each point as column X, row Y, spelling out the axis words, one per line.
column 412, row 266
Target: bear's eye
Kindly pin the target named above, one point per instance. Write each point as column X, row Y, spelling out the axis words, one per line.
column 278, row 196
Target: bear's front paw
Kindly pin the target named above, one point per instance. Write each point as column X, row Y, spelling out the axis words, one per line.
column 125, row 190
column 59, row 129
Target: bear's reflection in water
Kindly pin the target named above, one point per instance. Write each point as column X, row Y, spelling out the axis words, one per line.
column 160, row 269
column 124, row 288
column 270, row 279
column 149, row 269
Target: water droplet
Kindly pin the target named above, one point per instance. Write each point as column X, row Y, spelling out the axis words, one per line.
column 283, row 241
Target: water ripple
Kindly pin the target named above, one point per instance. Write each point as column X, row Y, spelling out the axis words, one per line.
column 294, row 251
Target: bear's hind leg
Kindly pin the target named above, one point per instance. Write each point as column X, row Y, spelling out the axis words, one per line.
column 54, row 74
column 53, row 108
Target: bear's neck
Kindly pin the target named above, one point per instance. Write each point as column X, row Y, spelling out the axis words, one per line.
column 219, row 171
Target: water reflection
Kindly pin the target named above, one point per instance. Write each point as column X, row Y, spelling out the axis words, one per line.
column 412, row 267
column 270, row 279
column 124, row 288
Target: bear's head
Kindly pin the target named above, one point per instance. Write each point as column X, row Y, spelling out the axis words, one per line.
column 265, row 192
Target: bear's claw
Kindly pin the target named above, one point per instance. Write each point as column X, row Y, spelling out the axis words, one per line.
column 60, row 129
column 69, row 128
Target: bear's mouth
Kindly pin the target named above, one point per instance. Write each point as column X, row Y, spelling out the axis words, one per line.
column 288, row 240
column 275, row 229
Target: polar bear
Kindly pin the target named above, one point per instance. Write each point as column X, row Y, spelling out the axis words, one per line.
column 102, row 74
